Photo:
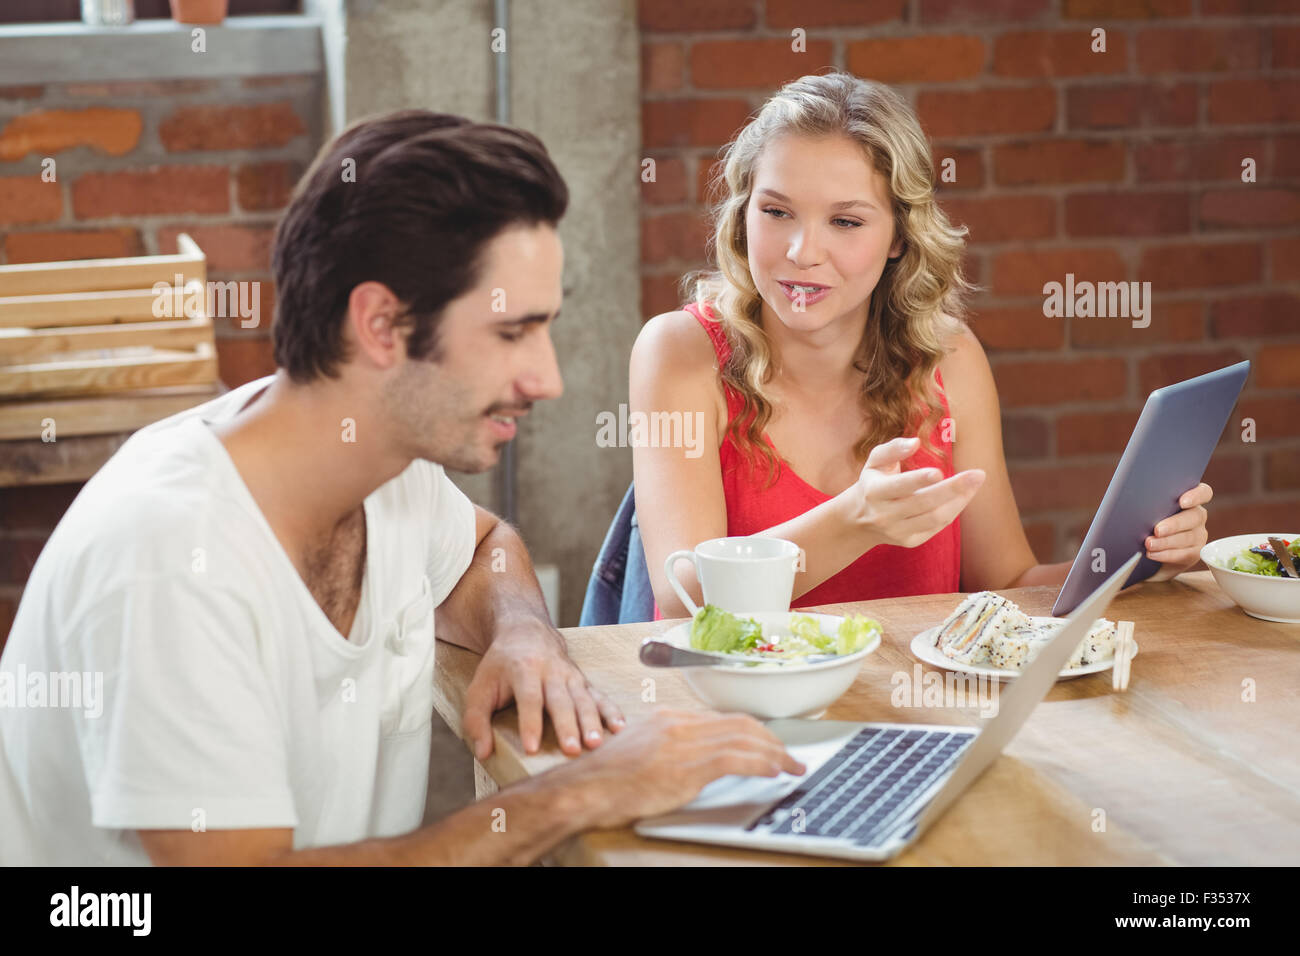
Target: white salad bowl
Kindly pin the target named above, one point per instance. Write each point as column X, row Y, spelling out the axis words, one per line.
column 1268, row 598
column 774, row 689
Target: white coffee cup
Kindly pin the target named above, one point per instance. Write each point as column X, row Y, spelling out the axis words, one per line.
column 744, row 574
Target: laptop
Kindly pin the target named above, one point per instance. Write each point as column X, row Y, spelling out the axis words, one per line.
column 872, row 789
column 1166, row 455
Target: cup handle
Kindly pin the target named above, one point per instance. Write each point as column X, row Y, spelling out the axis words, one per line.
column 676, row 583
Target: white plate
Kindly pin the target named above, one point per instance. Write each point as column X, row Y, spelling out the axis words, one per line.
column 923, row 646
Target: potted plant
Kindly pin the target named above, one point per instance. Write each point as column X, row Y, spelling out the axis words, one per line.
column 199, row 11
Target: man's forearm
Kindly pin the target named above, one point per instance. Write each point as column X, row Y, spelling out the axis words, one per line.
column 499, row 590
column 513, row 827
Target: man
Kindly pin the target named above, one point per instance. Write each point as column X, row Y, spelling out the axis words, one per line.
column 258, row 581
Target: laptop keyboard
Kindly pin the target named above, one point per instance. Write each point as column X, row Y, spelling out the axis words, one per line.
column 861, row 792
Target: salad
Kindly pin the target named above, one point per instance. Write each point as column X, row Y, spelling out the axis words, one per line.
column 1261, row 559
column 716, row 630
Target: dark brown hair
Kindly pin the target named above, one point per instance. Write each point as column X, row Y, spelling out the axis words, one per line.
column 409, row 199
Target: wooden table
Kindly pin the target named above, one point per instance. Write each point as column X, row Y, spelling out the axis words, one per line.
column 1198, row 763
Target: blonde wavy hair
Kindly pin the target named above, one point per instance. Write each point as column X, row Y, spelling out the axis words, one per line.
column 914, row 306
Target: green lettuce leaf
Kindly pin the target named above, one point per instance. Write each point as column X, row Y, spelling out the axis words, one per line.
column 806, row 627
column 1253, row 563
column 854, row 633
column 714, row 629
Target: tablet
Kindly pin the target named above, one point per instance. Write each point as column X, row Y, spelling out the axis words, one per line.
column 1166, row 455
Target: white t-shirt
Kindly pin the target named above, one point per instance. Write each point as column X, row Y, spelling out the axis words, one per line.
column 228, row 700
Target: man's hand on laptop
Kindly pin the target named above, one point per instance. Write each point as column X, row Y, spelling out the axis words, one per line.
column 1176, row 542
column 530, row 665
column 663, row 762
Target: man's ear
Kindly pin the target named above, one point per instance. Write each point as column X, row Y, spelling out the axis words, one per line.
column 373, row 323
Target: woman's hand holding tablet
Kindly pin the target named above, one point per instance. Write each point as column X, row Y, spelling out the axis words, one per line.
column 1176, row 542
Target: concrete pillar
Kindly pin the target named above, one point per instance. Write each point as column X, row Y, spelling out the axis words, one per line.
column 575, row 83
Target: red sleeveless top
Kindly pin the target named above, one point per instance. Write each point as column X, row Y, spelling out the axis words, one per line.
column 886, row 570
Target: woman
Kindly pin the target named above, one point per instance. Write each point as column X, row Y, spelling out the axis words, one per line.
column 845, row 405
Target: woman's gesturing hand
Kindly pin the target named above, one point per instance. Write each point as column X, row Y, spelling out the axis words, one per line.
column 907, row 508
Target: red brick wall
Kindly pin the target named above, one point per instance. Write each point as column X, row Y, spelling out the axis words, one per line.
column 136, row 163
column 139, row 162
column 1115, row 166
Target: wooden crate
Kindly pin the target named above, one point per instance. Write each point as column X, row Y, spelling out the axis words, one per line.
column 80, row 344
